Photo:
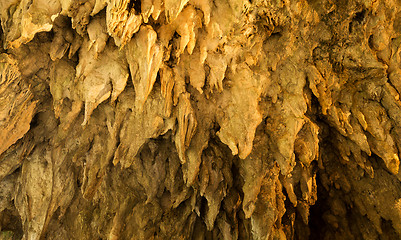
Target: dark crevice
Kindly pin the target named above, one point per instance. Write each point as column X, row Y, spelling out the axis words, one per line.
column 10, row 224
column 35, row 121
column 130, row 4
column 317, row 224
column 136, row 5
column 359, row 16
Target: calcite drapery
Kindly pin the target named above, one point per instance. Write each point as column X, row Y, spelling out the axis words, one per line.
column 204, row 119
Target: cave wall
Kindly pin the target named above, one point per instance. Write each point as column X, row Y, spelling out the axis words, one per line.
column 200, row 119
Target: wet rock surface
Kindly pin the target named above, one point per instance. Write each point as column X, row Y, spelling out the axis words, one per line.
column 200, row 119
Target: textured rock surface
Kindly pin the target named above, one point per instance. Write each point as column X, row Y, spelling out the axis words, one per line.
column 200, row 119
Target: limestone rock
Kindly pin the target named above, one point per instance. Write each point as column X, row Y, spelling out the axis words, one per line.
column 200, row 119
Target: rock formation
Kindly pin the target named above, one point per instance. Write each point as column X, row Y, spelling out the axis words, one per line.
column 200, row 119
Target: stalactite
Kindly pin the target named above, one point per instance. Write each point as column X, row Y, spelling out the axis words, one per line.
column 200, row 119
